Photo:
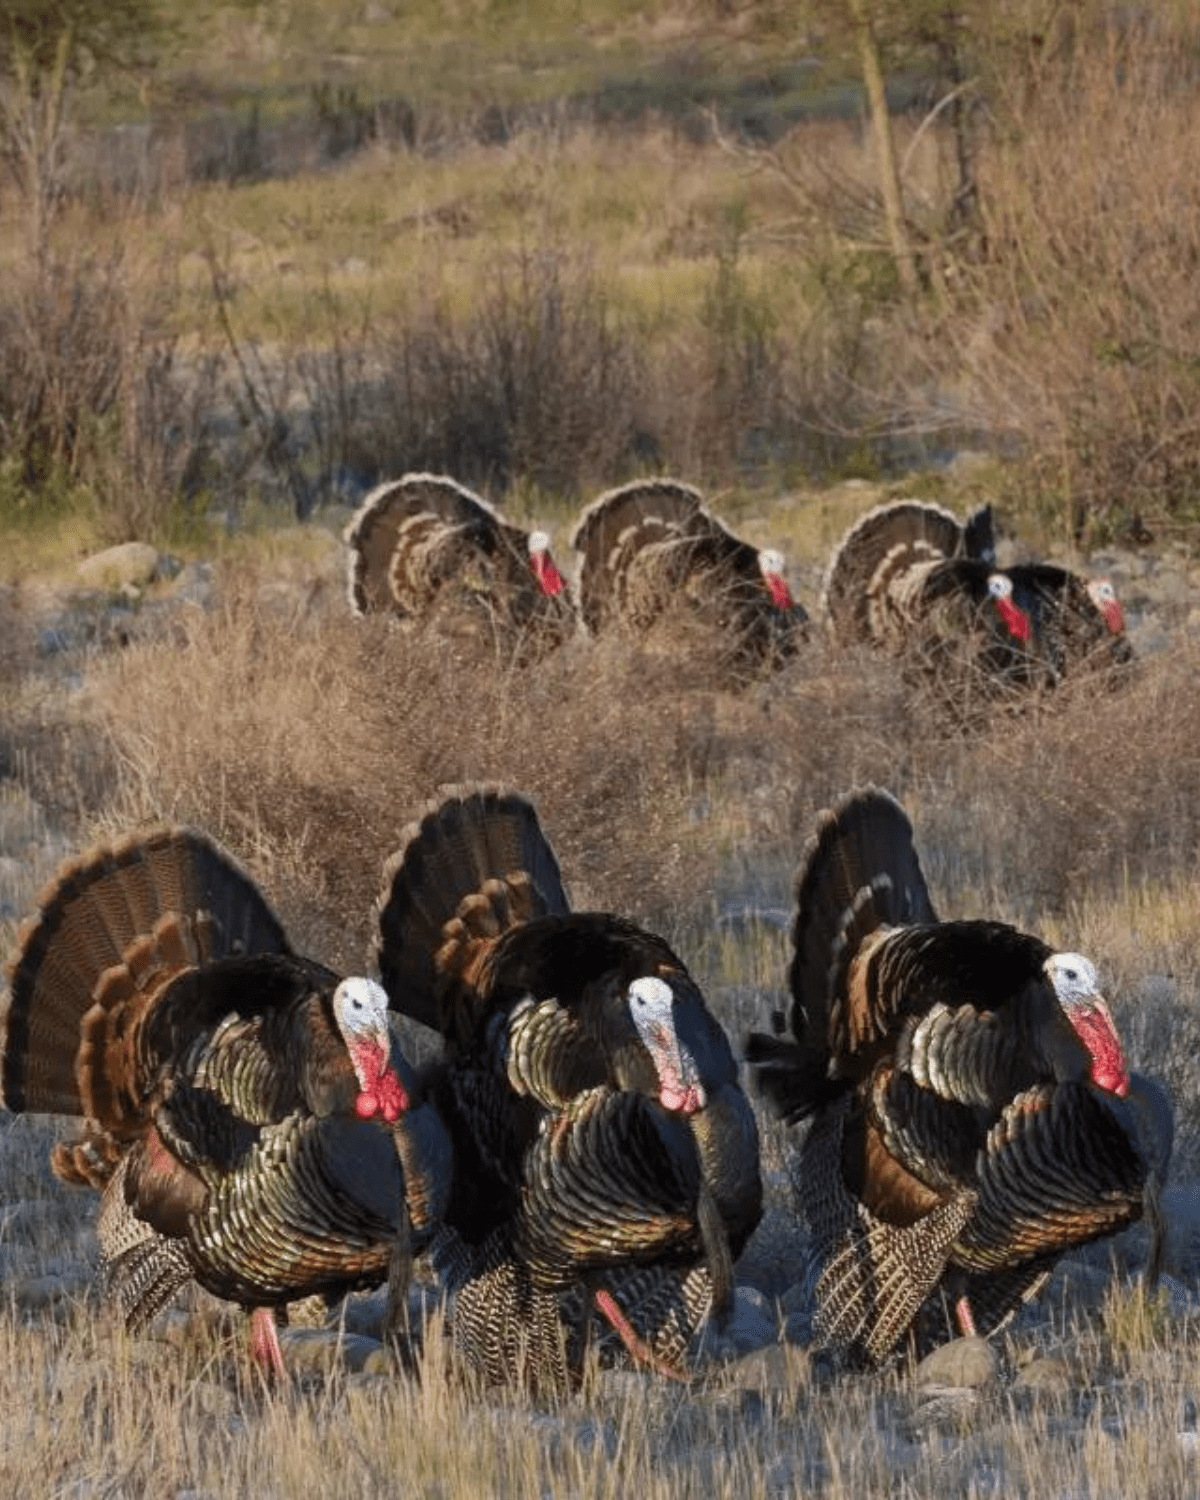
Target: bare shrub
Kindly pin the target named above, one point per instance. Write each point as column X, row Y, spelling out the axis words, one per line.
column 537, row 381
column 1074, row 332
column 92, row 386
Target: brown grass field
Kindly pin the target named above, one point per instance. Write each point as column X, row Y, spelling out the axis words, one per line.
column 546, row 311
column 305, row 739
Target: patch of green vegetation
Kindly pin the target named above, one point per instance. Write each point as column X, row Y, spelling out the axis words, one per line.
column 44, row 521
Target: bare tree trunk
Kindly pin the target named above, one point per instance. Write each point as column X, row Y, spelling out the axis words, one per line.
column 32, row 118
column 881, row 122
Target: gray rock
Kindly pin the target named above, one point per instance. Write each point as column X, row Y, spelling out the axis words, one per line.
column 967, row 1363
column 773, row 1369
column 751, row 1325
column 129, row 565
column 948, row 1409
column 320, row 1350
column 194, row 584
column 1048, row 1373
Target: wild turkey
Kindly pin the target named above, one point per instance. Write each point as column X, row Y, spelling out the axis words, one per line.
column 650, row 550
column 423, row 547
column 606, row 1156
column 910, row 576
column 973, row 1114
column 1076, row 626
column 249, row 1120
column 882, row 549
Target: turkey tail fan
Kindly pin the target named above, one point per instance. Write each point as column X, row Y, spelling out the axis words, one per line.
column 469, row 843
column 859, row 871
column 878, row 549
column 375, row 530
column 619, row 524
column 110, row 923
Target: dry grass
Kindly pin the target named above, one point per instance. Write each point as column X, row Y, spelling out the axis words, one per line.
column 305, row 739
column 738, row 310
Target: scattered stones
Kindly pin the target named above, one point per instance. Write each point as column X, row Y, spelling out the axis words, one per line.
column 131, row 565
column 776, row 1368
column 969, row 1363
column 951, row 1408
column 321, row 1350
column 1048, row 1374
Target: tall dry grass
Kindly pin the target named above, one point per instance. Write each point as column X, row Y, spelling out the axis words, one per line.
column 305, row 739
column 578, row 302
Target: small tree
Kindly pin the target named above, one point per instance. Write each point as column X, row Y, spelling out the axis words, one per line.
column 45, row 47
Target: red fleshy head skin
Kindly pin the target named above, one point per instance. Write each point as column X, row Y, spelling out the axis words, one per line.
column 549, row 578
column 1015, row 618
column 781, row 595
column 1095, row 1027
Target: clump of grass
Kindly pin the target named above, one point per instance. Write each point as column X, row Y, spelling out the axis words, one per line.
column 1136, row 1320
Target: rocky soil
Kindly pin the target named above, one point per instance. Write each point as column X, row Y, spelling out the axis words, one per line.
column 1077, row 1358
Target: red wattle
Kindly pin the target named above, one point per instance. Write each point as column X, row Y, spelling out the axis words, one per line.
column 781, row 595
column 547, row 575
column 1015, row 618
column 393, row 1098
column 366, row 1105
column 1109, row 1068
column 1114, row 616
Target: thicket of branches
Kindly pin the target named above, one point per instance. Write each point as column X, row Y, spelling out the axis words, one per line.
column 1010, row 265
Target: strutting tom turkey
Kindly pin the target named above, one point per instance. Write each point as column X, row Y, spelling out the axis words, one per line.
column 651, row 555
column 606, row 1157
column 972, row 1112
column 425, row 548
column 909, row 576
column 247, row 1116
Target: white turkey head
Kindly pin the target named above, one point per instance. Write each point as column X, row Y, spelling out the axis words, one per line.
column 360, row 1008
column 1000, row 589
column 550, row 580
column 1074, row 981
column 1104, row 597
column 651, row 1004
column 770, row 565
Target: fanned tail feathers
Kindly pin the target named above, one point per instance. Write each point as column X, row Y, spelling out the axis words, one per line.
column 395, row 513
column 875, row 554
column 618, row 526
column 475, row 863
column 111, row 927
column 859, row 872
